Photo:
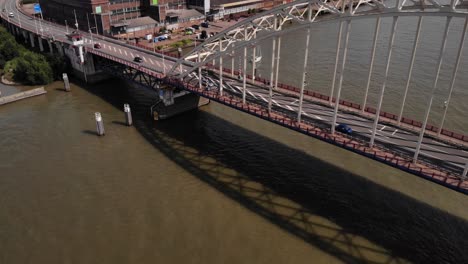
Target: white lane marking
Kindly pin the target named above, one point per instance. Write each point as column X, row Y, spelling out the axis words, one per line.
column 318, row 117
column 132, row 54
column 458, row 165
column 253, row 95
column 263, row 98
column 276, row 103
column 120, row 51
column 294, row 102
column 394, row 132
column 151, row 61
column 125, row 53
column 425, row 145
column 382, row 128
column 144, row 58
column 104, row 45
column 290, row 108
column 115, row 50
column 109, row 47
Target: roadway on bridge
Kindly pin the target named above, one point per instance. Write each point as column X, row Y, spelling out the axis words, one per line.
column 448, row 156
column 444, row 155
column 152, row 61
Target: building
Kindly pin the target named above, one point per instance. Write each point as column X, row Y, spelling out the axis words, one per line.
column 113, row 16
column 95, row 15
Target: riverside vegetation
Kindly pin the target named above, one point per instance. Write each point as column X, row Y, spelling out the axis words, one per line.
column 21, row 65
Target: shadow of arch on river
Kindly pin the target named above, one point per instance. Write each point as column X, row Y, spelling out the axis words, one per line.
column 297, row 190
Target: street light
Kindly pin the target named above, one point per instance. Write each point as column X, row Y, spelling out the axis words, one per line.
column 91, row 33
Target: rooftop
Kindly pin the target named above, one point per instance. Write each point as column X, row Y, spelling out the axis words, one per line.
column 136, row 22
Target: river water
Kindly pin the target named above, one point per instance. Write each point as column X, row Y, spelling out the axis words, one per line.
column 214, row 185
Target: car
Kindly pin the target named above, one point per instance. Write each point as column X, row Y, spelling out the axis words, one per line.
column 163, row 37
column 343, row 128
column 97, row 45
column 204, row 24
column 188, row 32
column 11, row 14
column 137, row 59
column 196, row 27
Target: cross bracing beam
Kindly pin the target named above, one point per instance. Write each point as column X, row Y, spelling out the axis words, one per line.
column 306, row 12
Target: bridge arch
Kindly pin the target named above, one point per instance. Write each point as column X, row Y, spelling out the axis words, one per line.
column 304, row 13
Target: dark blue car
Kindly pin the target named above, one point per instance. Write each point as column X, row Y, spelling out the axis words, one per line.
column 343, row 128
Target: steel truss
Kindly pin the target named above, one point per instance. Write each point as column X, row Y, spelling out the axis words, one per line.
column 304, row 13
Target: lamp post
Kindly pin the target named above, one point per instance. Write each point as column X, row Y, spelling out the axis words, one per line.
column 92, row 41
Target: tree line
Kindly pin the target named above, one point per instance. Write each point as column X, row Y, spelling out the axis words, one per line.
column 25, row 66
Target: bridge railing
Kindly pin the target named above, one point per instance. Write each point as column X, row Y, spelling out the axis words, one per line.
column 379, row 153
column 370, row 110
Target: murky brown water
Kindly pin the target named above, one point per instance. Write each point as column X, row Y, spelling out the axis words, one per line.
column 210, row 186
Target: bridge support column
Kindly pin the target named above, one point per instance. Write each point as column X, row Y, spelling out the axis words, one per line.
column 371, row 67
column 410, row 70
column 465, row 171
column 382, row 90
column 340, row 83
column 31, row 37
column 278, row 50
column 272, row 70
column 337, row 57
column 51, row 47
column 59, row 48
column 25, row 36
column 304, row 74
column 253, row 63
column 244, row 71
column 41, row 45
column 220, row 69
column 199, row 72
column 454, row 76
column 232, row 63
column 434, row 86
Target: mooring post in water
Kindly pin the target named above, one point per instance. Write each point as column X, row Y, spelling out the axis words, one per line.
column 128, row 115
column 99, row 124
column 66, row 82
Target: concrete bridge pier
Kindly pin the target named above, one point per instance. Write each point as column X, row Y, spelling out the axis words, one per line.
column 51, row 47
column 31, row 37
column 41, row 45
column 59, row 47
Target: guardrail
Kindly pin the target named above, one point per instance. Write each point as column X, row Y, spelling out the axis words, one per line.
column 379, row 152
column 356, row 106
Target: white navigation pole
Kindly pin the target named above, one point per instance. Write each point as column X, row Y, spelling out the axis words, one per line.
column 434, row 86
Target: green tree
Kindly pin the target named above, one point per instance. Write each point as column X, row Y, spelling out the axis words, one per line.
column 33, row 69
column 9, row 49
column 58, row 65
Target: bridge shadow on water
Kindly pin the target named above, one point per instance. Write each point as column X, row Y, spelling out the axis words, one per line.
column 297, row 191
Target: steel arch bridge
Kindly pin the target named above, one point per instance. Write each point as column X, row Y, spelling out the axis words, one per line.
column 186, row 75
column 304, row 14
